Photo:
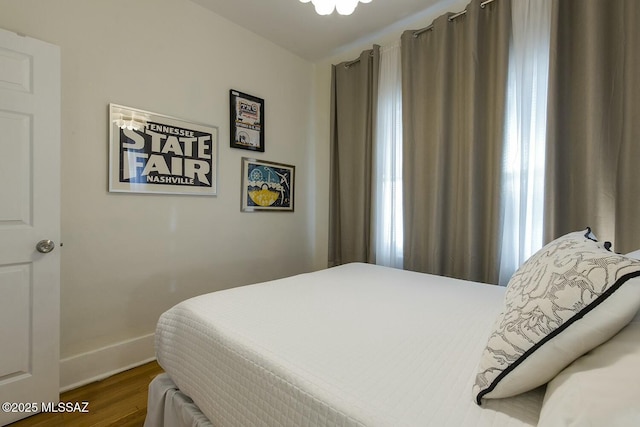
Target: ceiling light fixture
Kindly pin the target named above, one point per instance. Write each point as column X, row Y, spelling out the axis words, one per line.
column 344, row 7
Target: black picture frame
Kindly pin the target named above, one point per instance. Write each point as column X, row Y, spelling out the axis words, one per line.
column 267, row 186
column 247, row 121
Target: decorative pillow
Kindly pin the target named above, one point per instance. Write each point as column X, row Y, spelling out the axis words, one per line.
column 601, row 388
column 566, row 299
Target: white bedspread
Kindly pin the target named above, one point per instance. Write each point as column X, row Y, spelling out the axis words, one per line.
column 356, row 345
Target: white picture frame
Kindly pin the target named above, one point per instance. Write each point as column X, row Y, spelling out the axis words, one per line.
column 160, row 154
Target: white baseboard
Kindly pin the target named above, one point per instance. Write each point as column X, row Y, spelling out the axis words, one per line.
column 99, row 364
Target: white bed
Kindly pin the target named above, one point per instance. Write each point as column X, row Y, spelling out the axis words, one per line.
column 355, row 345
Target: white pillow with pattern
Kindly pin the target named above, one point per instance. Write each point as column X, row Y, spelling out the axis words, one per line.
column 569, row 297
column 634, row 254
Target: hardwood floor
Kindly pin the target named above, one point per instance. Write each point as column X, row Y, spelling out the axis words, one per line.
column 118, row 400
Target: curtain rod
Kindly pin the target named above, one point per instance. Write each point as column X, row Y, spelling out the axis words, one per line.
column 451, row 18
column 355, row 61
column 422, row 30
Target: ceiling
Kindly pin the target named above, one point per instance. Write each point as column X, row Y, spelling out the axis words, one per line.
column 296, row 27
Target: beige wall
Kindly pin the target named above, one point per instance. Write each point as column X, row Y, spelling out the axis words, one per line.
column 128, row 257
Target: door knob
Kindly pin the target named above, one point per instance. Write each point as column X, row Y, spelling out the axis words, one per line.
column 45, row 246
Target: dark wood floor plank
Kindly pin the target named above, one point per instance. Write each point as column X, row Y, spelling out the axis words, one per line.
column 118, row 400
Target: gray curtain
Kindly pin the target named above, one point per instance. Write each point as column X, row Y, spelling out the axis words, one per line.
column 593, row 140
column 354, row 97
column 454, row 96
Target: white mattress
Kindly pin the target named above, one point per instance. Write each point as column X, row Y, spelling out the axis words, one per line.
column 355, row 345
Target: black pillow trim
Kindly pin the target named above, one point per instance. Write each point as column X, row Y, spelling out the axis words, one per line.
column 606, row 294
column 587, row 235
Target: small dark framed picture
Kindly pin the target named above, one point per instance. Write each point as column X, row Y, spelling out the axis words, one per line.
column 247, row 121
column 267, row 186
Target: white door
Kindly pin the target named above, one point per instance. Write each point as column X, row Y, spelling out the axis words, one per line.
column 29, row 213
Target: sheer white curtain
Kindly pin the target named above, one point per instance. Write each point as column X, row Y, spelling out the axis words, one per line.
column 523, row 169
column 388, row 161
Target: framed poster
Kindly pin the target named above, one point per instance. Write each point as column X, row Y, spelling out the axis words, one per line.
column 247, row 121
column 154, row 153
column 267, row 186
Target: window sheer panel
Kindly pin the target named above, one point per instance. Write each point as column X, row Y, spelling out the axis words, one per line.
column 388, row 158
column 524, row 161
